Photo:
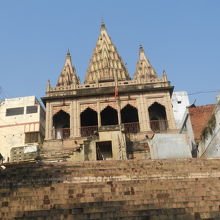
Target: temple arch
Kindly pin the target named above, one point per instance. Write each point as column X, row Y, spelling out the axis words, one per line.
column 89, row 122
column 129, row 114
column 109, row 116
column 61, row 125
column 158, row 117
column 129, row 117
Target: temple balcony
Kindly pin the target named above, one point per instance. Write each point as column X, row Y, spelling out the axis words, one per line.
column 87, row 131
column 61, row 133
column 158, row 125
column 133, row 127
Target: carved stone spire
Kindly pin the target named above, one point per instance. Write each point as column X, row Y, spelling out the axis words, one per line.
column 144, row 68
column 68, row 74
column 106, row 64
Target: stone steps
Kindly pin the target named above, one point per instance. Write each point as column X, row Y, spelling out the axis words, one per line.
column 156, row 189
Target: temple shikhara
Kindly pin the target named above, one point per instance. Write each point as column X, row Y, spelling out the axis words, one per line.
column 110, row 115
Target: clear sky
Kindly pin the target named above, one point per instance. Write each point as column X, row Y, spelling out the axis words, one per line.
column 179, row 36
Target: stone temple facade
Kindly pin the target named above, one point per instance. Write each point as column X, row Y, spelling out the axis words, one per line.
column 110, row 115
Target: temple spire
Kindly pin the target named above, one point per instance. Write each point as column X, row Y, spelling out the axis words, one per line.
column 105, row 63
column 144, row 69
column 68, row 73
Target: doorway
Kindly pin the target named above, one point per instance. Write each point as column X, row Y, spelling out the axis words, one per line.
column 104, row 150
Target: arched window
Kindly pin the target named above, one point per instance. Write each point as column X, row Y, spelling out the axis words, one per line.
column 109, row 116
column 129, row 117
column 158, row 118
column 89, row 122
column 61, row 124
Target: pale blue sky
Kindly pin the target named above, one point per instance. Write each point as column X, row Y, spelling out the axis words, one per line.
column 180, row 36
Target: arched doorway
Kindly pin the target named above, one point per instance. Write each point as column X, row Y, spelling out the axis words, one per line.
column 129, row 117
column 158, row 117
column 109, row 116
column 89, row 122
column 61, row 124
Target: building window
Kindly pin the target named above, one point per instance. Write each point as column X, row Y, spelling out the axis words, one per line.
column 158, row 118
column 61, row 123
column 31, row 109
column 31, row 137
column 14, row 111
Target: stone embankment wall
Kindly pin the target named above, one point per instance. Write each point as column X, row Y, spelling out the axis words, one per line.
column 143, row 189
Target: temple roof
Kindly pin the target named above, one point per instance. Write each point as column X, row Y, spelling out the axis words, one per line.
column 68, row 73
column 106, row 64
column 144, row 69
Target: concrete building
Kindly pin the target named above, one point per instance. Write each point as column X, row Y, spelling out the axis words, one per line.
column 110, row 115
column 22, row 127
column 180, row 102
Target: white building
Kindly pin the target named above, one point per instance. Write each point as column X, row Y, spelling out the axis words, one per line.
column 180, row 102
column 21, row 127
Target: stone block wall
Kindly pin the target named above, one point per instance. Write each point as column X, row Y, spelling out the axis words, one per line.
column 139, row 189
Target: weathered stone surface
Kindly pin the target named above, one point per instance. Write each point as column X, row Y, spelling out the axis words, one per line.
column 138, row 189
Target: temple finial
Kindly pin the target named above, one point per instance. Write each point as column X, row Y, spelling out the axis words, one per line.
column 68, row 52
column 165, row 75
column 48, row 85
column 102, row 23
column 141, row 52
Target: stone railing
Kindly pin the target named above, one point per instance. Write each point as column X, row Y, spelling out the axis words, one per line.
column 87, row 131
column 133, row 127
column 61, row 133
column 158, row 125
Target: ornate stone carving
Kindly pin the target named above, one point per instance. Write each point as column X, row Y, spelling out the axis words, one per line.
column 65, row 108
column 68, row 74
column 111, row 104
column 106, row 64
column 128, row 102
column 144, row 69
column 83, row 107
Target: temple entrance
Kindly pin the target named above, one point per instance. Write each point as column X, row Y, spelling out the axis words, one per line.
column 158, row 118
column 109, row 116
column 129, row 117
column 61, row 125
column 89, row 122
column 104, row 150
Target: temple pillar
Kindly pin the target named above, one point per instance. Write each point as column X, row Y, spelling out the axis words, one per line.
column 78, row 124
column 118, row 110
column 47, row 131
column 141, row 118
column 146, row 114
column 98, row 113
column 49, row 121
column 72, row 119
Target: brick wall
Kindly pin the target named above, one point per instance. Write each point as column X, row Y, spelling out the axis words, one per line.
column 199, row 116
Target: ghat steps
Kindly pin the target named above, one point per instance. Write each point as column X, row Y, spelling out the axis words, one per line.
column 135, row 189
